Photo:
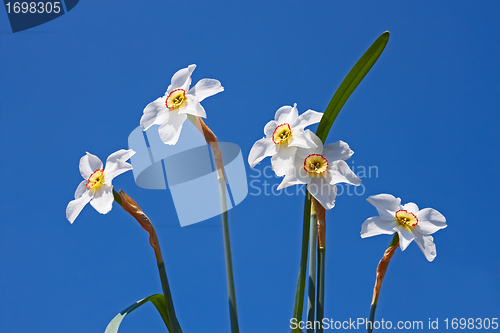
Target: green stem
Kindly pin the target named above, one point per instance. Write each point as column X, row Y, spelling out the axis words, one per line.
column 299, row 295
column 320, row 309
column 173, row 324
column 219, row 165
column 311, row 300
column 117, row 197
column 395, row 240
column 233, row 314
column 372, row 317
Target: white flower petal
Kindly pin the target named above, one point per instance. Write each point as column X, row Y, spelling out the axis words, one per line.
column 289, row 180
column 405, row 236
column 88, row 164
column 387, row 205
column 82, row 187
column 301, row 140
column 377, row 226
column 170, row 131
column 323, row 192
column 411, row 207
column 303, row 153
column 206, row 88
column 193, row 107
column 296, row 175
column 75, row 206
column 431, row 215
column 426, row 244
column 337, row 151
column 339, row 172
column 116, row 165
column 260, row 150
column 155, row 112
column 283, row 160
column 103, row 199
column 181, row 79
column 430, row 221
column 308, row 118
column 270, row 128
column 162, row 117
column 286, row 115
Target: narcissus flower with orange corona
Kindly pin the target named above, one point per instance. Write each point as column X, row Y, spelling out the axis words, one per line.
column 96, row 187
column 171, row 110
column 407, row 220
column 284, row 135
column 321, row 168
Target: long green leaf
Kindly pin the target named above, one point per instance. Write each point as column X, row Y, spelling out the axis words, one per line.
column 351, row 81
column 320, row 301
column 311, row 299
column 158, row 301
column 301, row 283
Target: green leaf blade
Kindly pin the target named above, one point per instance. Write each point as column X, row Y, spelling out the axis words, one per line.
column 158, row 301
column 349, row 84
column 298, row 306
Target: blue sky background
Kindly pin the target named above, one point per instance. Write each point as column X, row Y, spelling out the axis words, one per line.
column 426, row 116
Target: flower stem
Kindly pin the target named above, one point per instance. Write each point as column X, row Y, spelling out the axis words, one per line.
column 229, row 275
column 372, row 317
column 381, row 270
column 312, row 270
column 321, row 230
column 233, row 315
column 320, row 307
column 217, row 155
column 168, row 298
column 131, row 207
column 299, row 295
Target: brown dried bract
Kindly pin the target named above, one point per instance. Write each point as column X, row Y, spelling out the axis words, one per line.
column 381, row 269
column 214, row 144
column 133, row 209
column 321, row 222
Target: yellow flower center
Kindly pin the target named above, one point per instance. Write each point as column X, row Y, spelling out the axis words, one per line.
column 282, row 133
column 96, row 180
column 315, row 164
column 406, row 218
column 176, row 99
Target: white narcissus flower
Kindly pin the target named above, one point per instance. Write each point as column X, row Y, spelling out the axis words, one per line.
column 284, row 135
column 407, row 220
column 171, row 110
column 321, row 168
column 96, row 187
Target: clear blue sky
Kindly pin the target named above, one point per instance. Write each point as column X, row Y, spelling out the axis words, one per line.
column 426, row 116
